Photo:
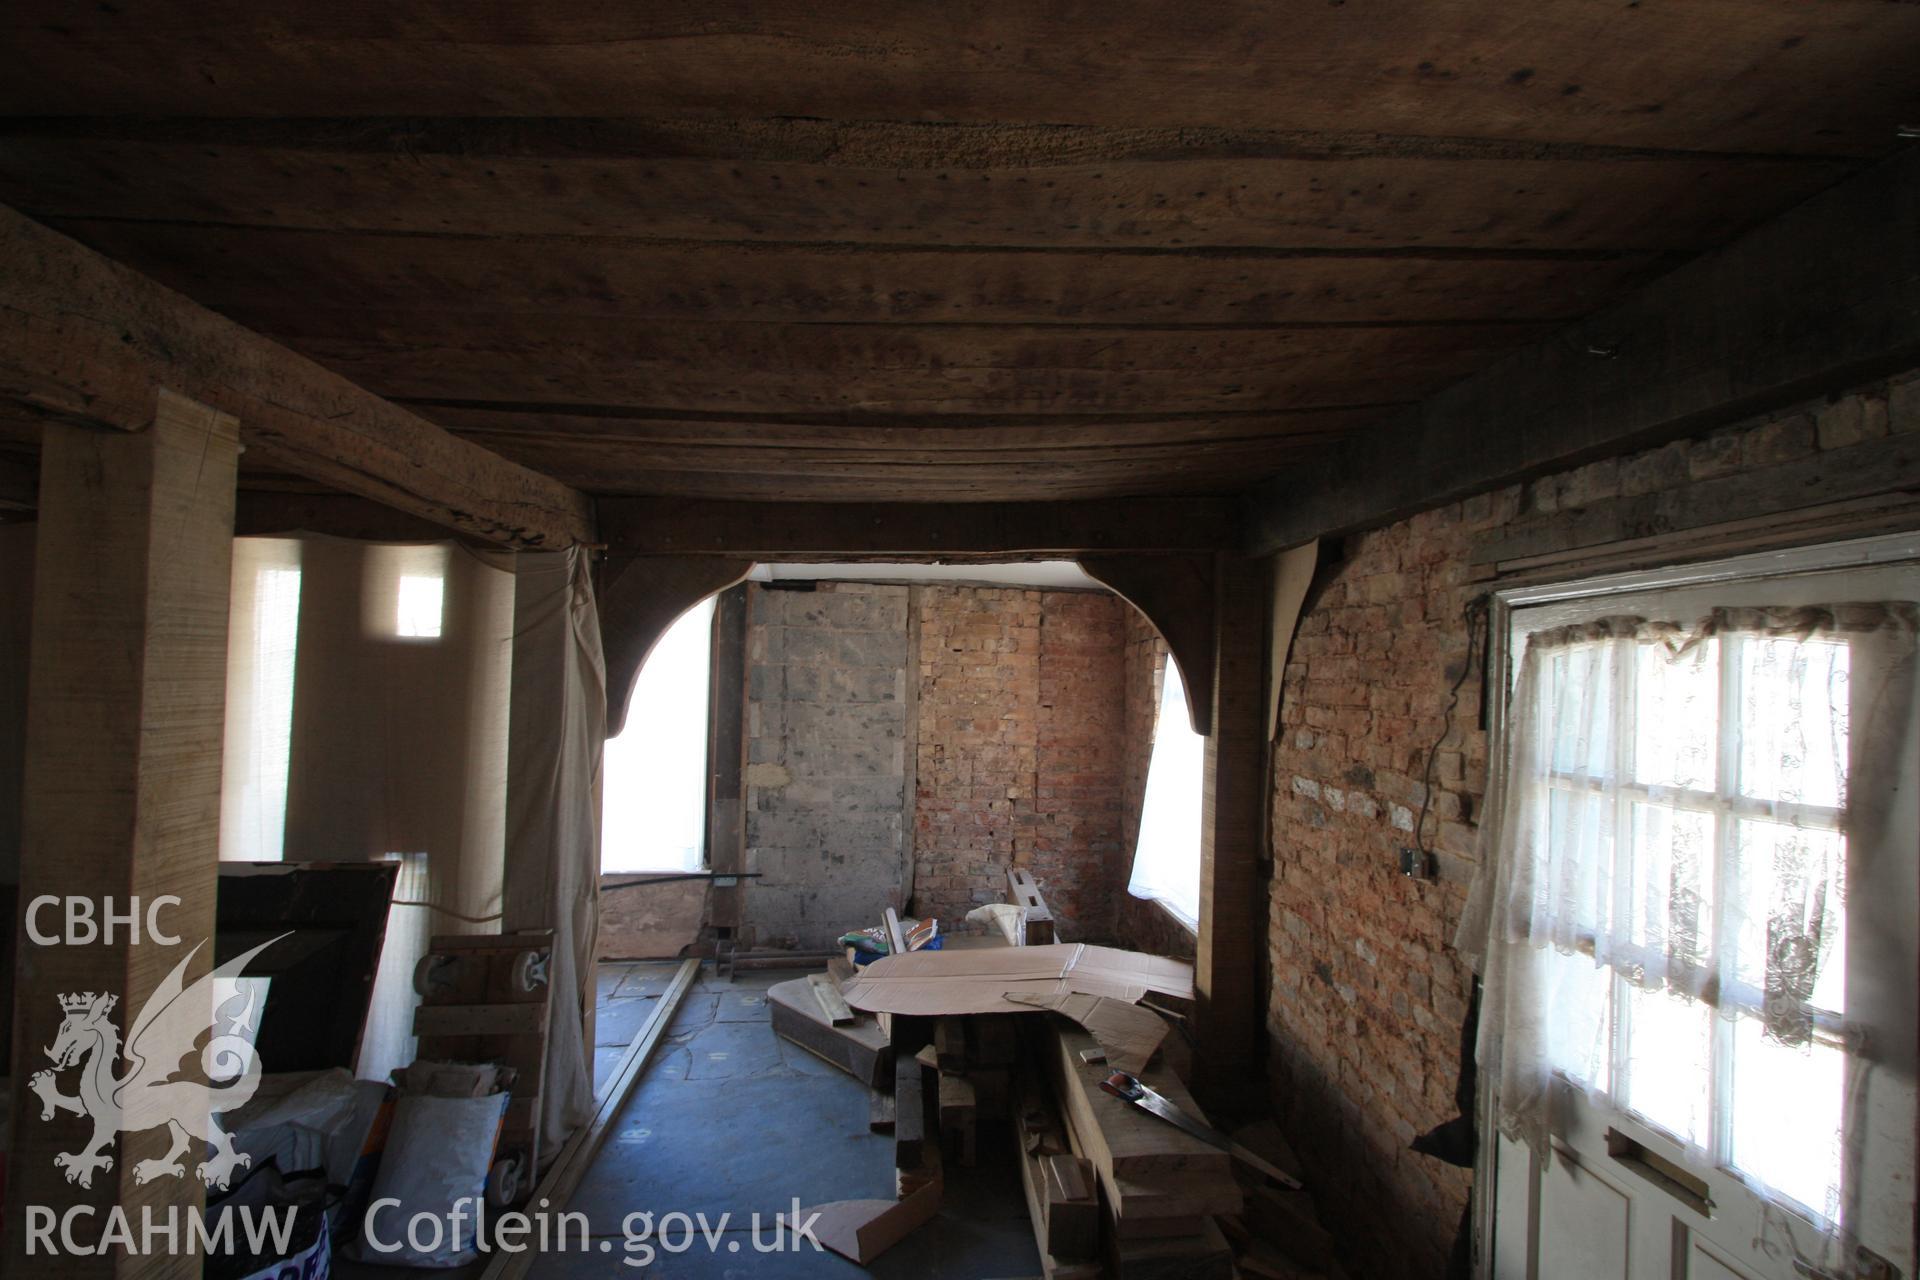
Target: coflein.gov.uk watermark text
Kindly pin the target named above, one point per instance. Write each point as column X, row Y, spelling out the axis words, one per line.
column 82, row 1231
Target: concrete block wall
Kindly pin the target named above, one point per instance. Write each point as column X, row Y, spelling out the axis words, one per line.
column 829, row 706
column 1367, row 995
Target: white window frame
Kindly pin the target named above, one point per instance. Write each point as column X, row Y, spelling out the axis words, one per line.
column 1582, row 591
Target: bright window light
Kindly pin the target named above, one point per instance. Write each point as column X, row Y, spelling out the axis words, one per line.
column 654, row 811
column 421, row 598
column 1166, row 861
column 263, row 645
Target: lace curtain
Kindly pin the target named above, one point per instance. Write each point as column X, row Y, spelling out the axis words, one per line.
column 1674, row 820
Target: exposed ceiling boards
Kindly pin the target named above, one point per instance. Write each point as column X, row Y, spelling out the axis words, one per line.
column 929, row 253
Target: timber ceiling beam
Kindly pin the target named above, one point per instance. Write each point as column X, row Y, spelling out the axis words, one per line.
column 85, row 339
column 914, row 531
column 1823, row 297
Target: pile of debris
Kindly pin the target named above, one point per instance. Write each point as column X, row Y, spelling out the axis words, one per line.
column 1079, row 1053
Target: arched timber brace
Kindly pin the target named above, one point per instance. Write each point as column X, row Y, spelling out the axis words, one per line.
column 1212, row 610
column 639, row 600
column 1176, row 594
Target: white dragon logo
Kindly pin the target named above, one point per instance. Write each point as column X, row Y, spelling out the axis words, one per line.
column 154, row 1091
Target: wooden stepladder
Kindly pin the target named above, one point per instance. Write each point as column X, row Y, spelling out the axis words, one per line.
column 486, row 998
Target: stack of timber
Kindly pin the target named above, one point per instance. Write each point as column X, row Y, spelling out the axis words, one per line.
column 1277, row 1235
column 1160, row 1188
column 1063, row 1197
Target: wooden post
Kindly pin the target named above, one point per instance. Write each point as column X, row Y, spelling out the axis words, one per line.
column 1231, row 955
column 727, row 763
column 121, row 801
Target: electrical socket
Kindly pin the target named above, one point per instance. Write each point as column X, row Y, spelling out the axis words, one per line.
column 1415, row 864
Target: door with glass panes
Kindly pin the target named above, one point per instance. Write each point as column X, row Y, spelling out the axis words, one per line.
column 1706, row 1145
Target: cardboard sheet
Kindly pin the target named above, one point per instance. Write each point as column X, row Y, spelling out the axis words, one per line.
column 862, row 1230
column 933, row 983
column 1128, row 1033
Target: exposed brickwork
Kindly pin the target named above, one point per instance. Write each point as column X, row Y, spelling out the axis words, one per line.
column 1020, row 750
column 1077, row 852
column 1368, row 997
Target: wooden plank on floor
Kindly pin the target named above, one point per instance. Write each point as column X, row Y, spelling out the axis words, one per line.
column 576, row 1157
column 833, row 1006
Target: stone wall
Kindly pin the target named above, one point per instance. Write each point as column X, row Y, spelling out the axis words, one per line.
column 1368, row 997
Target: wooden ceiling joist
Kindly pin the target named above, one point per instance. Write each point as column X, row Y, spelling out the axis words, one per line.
column 83, row 338
column 743, row 281
column 916, row 531
column 896, row 182
column 1823, row 297
column 1723, row 75
column 865, row 253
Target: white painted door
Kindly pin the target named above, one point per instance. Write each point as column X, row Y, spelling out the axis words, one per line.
column 1618, row 1199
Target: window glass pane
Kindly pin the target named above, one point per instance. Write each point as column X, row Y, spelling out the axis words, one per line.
column 1670, row 908
column 1580, row 1030
column 1793, row 720
column 1668, row 1061
column 1675, row 717
column 654, row 803
column 1578, row 701
column 1579, row 882
column 1786, row 1116
column 418, row 605
column 1791, row 910
column 1166, row 857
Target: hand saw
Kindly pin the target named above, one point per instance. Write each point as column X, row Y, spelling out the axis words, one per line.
column 1129, row 1089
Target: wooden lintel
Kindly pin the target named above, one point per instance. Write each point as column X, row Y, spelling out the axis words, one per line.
column 1176, row 595
column 639, row 600
column 1822, row 298
column 85, row 339
column 917, row 531
column 265, row 512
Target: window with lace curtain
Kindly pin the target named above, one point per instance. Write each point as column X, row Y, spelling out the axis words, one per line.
column 1670, row 891
column 1693, row 788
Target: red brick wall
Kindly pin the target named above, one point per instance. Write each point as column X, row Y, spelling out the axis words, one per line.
column 1080, row 786
column 1021, row 757
column 1368, row 996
